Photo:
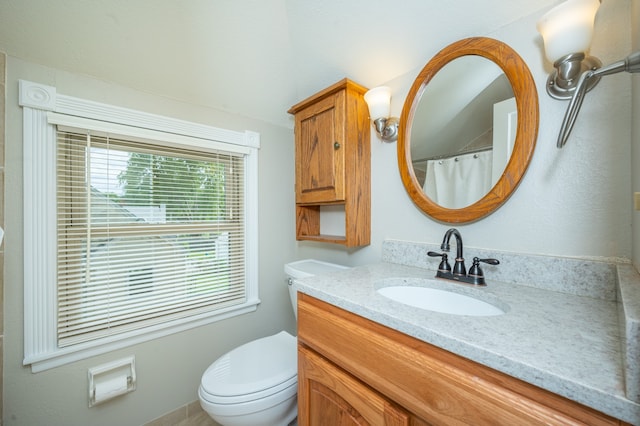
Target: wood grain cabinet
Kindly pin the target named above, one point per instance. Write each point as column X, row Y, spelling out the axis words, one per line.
column 333, row 163
column 334, row 397
column 353, row 371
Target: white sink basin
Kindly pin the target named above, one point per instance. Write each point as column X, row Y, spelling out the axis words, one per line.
column 443, row 301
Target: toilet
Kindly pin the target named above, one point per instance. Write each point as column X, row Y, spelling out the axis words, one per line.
column 256, row 383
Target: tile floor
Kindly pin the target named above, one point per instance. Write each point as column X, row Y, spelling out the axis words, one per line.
column 199, row 419
column 189, row 415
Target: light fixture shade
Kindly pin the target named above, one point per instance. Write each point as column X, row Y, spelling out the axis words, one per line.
column 568, row 28
column 379, row 101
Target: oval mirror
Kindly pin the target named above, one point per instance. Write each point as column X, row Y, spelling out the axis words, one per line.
column 468, row 130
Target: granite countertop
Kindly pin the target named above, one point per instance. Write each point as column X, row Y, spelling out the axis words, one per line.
column 566, row 343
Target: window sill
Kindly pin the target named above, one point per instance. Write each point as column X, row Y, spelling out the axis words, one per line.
column 78, row 352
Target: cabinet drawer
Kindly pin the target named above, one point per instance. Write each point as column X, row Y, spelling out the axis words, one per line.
column 437, row 386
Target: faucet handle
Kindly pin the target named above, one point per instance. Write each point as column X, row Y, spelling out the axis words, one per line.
column 444, row 264
column 488, row 261
column 475, row 268
column 476, row 273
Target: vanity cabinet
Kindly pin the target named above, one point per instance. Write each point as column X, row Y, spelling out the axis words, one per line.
column 334, row 397
column 360, row 372
column 333, row 163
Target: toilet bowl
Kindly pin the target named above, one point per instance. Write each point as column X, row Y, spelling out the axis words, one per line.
column 256, row 383
column 253, row 384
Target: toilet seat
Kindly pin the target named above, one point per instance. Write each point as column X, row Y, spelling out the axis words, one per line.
column 253, row 371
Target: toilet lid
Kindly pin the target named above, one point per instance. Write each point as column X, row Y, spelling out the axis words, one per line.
column 253, row 367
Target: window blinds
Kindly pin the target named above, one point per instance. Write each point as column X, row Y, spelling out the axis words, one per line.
column 146, row 234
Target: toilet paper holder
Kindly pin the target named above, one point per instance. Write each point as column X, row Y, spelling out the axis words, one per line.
column 112, row 379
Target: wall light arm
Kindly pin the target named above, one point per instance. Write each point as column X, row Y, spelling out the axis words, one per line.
column 387, row 128
column 574, row 107
column 629, row 64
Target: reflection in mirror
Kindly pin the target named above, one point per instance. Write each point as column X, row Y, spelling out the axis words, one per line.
column 474, row 95
column 455, row 155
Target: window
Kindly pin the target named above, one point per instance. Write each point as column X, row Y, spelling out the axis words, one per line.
column 145, row 234
column 145, row 230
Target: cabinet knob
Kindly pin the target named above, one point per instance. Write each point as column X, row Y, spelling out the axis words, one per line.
column 336, row 145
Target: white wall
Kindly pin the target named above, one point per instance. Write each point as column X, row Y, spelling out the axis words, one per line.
column 572, row 202
column 169, row 369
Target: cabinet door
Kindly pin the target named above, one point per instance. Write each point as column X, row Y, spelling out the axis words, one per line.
column 320, row 139
column 328, row 396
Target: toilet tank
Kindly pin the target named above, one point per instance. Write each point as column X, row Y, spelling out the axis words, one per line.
column 306, row 268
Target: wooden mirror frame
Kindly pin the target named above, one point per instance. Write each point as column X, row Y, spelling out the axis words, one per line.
column 526, row 95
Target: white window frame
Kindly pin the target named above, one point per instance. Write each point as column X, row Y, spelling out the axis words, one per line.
column 41, row 105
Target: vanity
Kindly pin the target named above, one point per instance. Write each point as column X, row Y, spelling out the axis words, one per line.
column 554, row 357
column 563, row 344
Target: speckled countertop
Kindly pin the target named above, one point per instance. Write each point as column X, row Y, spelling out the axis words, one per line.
column 566, row 343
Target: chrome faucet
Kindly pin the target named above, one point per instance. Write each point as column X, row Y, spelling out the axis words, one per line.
column 475, row 275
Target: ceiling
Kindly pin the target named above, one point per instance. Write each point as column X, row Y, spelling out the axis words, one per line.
column 251, row 57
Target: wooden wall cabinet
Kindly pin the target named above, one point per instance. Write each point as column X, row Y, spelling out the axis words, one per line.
column 360, row 372
column 333, row 163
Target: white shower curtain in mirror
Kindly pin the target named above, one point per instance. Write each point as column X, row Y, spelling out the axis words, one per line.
column 460, row 181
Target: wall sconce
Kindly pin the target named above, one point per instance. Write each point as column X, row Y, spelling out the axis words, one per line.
column 379, row 101
column 567, row 31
